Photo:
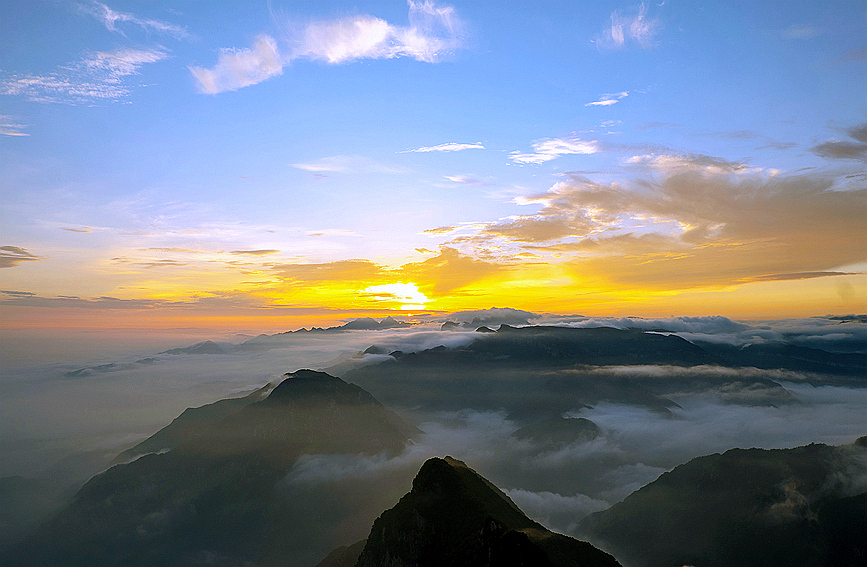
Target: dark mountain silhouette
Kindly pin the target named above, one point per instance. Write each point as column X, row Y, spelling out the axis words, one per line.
column 205, row 347
column 453, row 516
column 792, row 357
column 558, row 432
column 805, row 506
column 217, row 497
column 264, row 341
column 538, row 373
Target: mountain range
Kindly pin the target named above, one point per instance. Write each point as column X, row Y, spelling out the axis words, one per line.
column 297, row 469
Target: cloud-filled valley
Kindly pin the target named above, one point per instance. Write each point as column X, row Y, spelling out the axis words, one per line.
column 647, row 418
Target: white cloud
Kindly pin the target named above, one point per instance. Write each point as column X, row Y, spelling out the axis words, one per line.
column 344, row 163
column 10, row 127
column 433, row 32
column 241, row 68
column 97, row 77
column 635, row 27
column 111, row 18
column 673, row 163
column 449, row 147
column 546, row 150
column 609, row 99
column 464, row 180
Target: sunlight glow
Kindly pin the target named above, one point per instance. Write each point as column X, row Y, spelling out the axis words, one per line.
column 407, row 294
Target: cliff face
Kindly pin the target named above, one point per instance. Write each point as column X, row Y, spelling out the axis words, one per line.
column 453, row 516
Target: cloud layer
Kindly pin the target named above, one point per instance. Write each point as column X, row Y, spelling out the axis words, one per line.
column 693, row 220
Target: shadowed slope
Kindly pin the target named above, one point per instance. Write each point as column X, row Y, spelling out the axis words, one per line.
column 216, row 498
column 748, row 507
column 453, row 516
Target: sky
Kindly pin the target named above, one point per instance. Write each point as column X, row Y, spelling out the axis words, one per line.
column 271, row 165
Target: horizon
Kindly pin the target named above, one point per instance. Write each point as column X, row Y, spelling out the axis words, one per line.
column 315, row 162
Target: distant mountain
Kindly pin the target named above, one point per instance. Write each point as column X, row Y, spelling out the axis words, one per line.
column 453, row 516
column 205, row 347
column 360, row 324
column 558, row 432
column 218, row 498
column 793, row 357
column 538, row 373
column 110, row 367
column 798, row 507
column 369, row 324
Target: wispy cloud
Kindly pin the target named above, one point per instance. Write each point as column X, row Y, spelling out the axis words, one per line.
column 111, row 18
column 609, row 99
column 11, row 127
column 13, row 255
column 331, row 232
column 802, row 31
column 433, row 32
column 546, row 150
column 343, row 164
column 633, row 27
column 99, row 77
column 672, row 163
column 263, row 252
column 449, row 147
column 465, row 180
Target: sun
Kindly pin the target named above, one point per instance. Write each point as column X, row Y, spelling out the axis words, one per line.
column 407, row 294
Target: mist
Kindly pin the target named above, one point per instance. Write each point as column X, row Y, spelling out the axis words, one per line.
column 72, row 416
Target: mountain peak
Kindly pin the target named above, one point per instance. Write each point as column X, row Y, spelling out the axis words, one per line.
column 454, row 516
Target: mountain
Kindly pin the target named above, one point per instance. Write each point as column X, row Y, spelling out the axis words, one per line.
column 219, row 497
column 805, row 506
column 264, row 341
column 847, row 368
column 205, row 347
column 558, row 432
column 453, row 516
column 537, row 373
column 192, row 423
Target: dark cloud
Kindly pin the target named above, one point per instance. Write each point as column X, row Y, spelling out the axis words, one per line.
column 13, row 255
column 17, row 293
column 164, row 263
column 844, row 149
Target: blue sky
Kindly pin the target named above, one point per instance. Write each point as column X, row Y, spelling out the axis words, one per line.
column 155, row 151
